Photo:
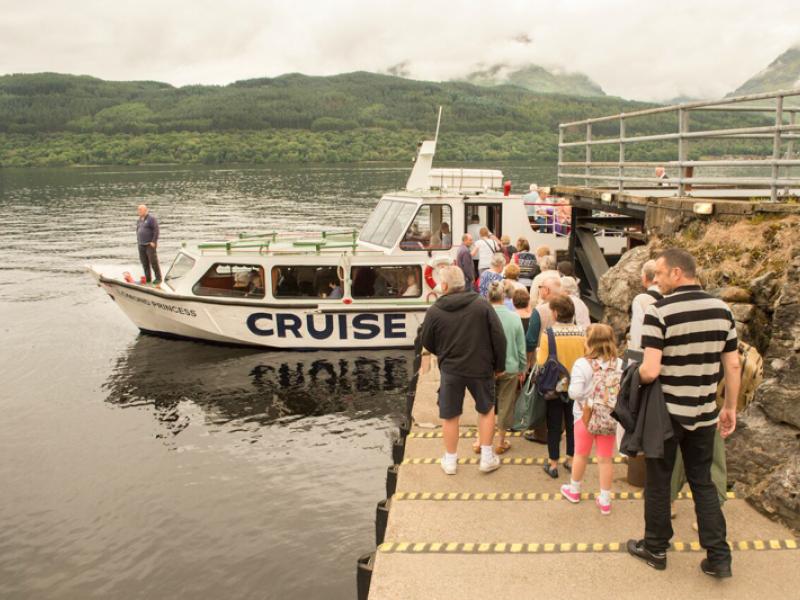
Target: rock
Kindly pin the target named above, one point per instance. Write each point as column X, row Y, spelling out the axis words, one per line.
column 763, row 452
column 781, row 404
column 765, row 289
column 619, row 285
column 777, row 364
column 735, row 294
column 619, row 322
column 756, row 330
column 742, row 312
column 764, row 461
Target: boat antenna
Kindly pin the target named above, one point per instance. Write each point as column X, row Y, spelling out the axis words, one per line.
column 438, row 122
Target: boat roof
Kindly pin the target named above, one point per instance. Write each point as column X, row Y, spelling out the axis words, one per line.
column 333, row 241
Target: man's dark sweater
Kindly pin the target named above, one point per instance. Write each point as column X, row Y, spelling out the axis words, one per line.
column 464, row 332
column 147, row 230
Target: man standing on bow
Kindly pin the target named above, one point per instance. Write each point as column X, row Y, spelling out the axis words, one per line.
column 147, row 239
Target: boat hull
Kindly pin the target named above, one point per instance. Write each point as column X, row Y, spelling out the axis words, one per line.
column 278, row 326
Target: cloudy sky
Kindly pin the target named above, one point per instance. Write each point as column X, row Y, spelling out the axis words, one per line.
column 637, row 49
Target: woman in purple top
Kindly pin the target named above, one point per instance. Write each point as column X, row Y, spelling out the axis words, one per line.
column 493, row 273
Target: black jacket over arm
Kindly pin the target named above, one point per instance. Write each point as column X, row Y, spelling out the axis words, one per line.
column 642, row 412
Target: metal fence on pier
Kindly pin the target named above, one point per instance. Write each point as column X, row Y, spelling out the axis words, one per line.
column 771, row 118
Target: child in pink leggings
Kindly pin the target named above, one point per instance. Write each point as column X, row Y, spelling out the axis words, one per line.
column 601, row 354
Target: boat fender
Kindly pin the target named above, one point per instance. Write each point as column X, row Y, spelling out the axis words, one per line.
column 431, row 269
column 364, row 575
column 381, row 520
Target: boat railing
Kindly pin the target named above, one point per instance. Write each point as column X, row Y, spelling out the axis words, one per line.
column 297, row 242
column 768, row 124
column 550, row 222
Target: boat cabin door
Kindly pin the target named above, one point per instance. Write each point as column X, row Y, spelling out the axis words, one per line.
column 489, row 215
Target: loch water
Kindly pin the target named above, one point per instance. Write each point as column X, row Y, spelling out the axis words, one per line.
column 133, row 466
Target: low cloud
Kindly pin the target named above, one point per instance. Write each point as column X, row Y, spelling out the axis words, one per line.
column 632, row 49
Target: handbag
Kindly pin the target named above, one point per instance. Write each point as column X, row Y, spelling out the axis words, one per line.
column 554, row 377
column 530, row 409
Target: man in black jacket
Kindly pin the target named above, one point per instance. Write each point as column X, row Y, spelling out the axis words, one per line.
column 464, row 332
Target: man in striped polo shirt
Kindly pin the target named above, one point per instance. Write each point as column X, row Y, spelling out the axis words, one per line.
column 687, row 336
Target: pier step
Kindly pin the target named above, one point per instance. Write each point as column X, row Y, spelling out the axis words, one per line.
column 556, row 521
column 509, row 478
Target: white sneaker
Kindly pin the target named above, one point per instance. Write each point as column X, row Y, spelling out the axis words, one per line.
column 489, row 465
column 449, row 467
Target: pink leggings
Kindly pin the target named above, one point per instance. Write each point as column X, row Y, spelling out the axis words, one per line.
column 584, row 440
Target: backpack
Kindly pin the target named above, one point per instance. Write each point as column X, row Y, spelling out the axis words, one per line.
column 603, row 395
column 752, row 374
column 552, row 374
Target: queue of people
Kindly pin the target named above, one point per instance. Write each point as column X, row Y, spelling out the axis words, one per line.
column 687, row 343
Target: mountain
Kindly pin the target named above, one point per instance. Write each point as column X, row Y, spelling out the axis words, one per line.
column 51, row 102
column 781, row 74
column 536, row 79
column 52, row 119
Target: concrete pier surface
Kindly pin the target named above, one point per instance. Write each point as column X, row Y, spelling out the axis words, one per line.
column 509, row 534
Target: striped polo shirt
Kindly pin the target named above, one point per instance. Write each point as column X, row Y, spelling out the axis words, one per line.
column 692, row 329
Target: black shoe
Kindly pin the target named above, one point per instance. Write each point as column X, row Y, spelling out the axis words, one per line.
column 553, row 472
column 719, row 571
column 657, row 560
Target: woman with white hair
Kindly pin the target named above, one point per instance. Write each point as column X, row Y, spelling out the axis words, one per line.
column 547, row 264
column 569, row 285
column 495, row 273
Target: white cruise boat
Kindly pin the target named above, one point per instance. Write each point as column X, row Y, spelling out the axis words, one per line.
column 331, row 290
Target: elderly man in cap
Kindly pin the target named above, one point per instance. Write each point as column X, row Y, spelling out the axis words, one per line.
column 147, row 239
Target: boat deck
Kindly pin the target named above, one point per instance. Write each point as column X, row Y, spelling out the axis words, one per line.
column 509, row 533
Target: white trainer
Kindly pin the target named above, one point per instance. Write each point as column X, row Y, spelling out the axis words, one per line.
column 487, row 466
column 449, row 467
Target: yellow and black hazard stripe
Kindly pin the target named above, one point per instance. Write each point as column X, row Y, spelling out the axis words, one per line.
column 563, row 547
column 437, row 433
column 504, row 461
column 523, row 496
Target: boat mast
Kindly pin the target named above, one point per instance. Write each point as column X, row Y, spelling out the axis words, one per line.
column 418, row 180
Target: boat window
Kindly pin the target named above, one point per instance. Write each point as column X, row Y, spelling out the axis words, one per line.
column 430, row 229
column 306, row 282
column 231, row 280
column 387, row 222
column 180, row 267
column 386, row 281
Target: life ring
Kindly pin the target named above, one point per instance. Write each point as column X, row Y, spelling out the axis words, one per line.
column 431, row 268
column 430, row 295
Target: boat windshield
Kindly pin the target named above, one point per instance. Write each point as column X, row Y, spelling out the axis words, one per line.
column 387, row 222
column 182, row 265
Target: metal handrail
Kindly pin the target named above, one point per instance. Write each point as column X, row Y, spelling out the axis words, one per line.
column 779, row 132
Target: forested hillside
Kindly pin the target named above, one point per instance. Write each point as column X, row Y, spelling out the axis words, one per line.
column 55, row 119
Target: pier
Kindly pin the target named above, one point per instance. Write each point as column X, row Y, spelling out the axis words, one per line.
column 510, row 534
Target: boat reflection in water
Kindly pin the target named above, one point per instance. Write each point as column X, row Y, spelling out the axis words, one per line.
column 256, row 387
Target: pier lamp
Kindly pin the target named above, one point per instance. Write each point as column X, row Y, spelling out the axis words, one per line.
column 703, row 208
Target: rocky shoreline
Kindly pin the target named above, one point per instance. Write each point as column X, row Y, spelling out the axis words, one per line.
column 759, row 277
